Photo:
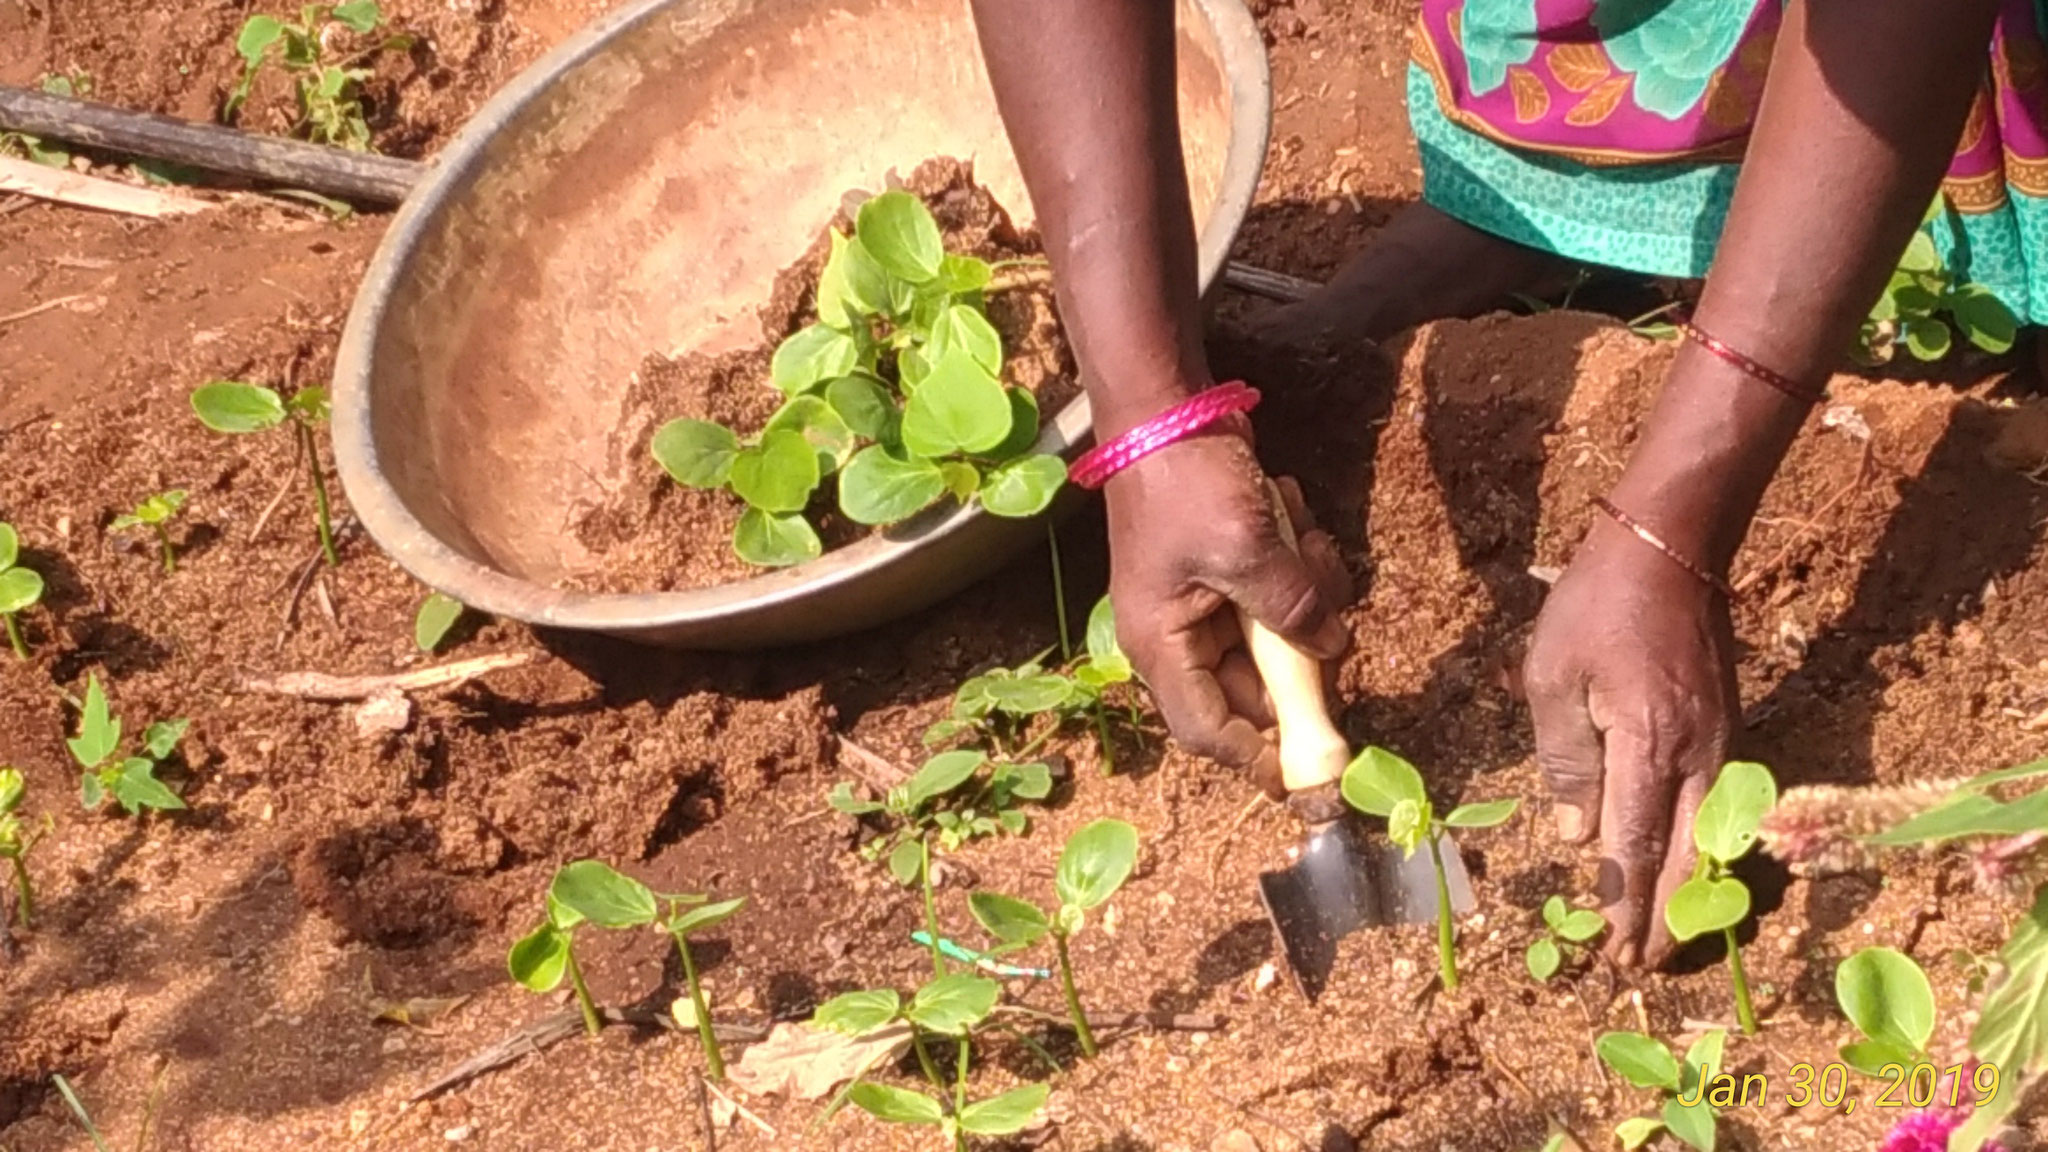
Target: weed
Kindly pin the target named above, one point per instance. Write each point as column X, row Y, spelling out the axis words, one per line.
column 1097, row 860
column 1889, row 1000
column 20, row 588
column 16, row 840
column 78, row 84
column 1645, row 1062
column 84, row 1118
column 155, row 513
column 329, row 89
column 1924, row 299
column 1380, row 783
column 236, row 408
column 896, row 392
column 1715, row 900
column 950, row 799
column 437, row 614
column 1565, row 932
column 130, row 780
column 993, row 710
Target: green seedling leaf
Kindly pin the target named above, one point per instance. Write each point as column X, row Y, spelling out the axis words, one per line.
column 1023, row 425
column 1641, row 1060
column 1408, row 824
column 704, row 916
column 1015, row 922
column 1097, row 860
column 1582, row 925
column 1726, row 825
column 359, row 15
column 160, row 738
column 157, row 509
column 1921, row 256
column 864, row 405
column 1023, row 487
column 1487, row 815
column 561, row 915
column 10, row 545
column 1636, row 1131
column 895, row 1105
column 1969, row 814
column 1692, row 1124
column 1887, row 997
column 99, row 732
column 1554, row 912
column 963, row 480
column 1022, row 781
column 1377, row 780
column 774, row 540
column 816, row 421
column 311, row 404
column 13, row 785
column 438, row 613
column 91, row 793
column 810, row 356
column 1926, row 339
column 940, row 775
column 963, row 327
column 858, row 1013
column 1101, row 636
column 602, row 895
column 1703, row 1060
column 20, row 588
column 778, row 474
column 899, row 232
column 1984, row 318
column 1006, row 1114
column 906, row 861
column 964, row 275
column 257, row 36
column 540, row 959
column 953, row 1004
column 1706, row 904
column 234, row 407
column 1870, row 1056
column 880, row 487
column 1027, row 695
column 1544, row 959
column 136, row 788
column 842, row 799
column 958, row 407
column 696, row 453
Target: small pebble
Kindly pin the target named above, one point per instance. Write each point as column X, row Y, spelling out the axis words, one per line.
column 1235, row 1140
column 394, row 1044
column 459, row 1133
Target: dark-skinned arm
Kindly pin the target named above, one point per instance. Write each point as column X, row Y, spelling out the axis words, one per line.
column 1631, row 668
column 1087, row 92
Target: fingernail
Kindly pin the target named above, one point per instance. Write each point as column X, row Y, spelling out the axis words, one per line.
column 1571, row 822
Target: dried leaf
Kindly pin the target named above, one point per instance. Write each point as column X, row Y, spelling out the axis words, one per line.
column 1600, row 103
column 418, row 1012
column 808, row 1063
column 1532, row 96
column 1579, row 66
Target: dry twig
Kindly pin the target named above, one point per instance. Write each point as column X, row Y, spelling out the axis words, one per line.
column 344, row 689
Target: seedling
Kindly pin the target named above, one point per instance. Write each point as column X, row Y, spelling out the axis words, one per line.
column 951, row 1005
column 329, row 89
column 1097, row 860
column 16, row 841
column 1715, row 900
column 1380, row 783
column 236, row 408
column 993, row 710
column 1889, row 1000
column 92, row 1132
column 130, row 780
column 1688, row 1112
column 20, row 588
column 1925, row 306
column 951, row 799
column 896, row 391
column 155, row 513
column 1566, row 931
column 437, row 614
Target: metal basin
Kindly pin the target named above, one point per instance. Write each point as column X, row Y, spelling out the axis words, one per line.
column 637, row 191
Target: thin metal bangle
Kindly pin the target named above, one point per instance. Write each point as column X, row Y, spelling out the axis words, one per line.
column 1697, row 570
column 1762, row 373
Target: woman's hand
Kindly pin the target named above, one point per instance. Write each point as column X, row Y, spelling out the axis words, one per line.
column 1192, row 532
column 1631, row 677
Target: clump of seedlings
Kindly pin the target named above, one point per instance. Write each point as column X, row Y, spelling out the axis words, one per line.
column 130, row 780
column 1888, row 998
column 592, row 892
column 1566, row 932
column 996, row 709
column 1379, row 783
column 1097, row 860
column 1925, row 306
column 437, row 615
column 1715, row 900
column 895, row 394
column 327, row 82
column 155, row 513
column 15, row 842
column 236, row 408
column 20, row 588
column 1689, row 1111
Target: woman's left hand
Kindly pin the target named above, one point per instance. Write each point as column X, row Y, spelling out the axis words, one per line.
column 1630, row 676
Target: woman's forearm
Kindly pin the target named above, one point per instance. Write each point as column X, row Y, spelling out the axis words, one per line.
column 1087, row 91
column 1865, row 101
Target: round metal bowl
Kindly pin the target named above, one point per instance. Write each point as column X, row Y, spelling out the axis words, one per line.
column 637, row 191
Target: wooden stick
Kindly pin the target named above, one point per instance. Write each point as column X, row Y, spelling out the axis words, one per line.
column 47, row 305
column 343, row 689
column 1272, row 285
column 81, row 191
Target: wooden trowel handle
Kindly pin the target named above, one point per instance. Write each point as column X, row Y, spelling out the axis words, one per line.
column 1312, row 752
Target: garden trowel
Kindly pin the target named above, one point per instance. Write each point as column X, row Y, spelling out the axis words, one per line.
column 1344, row 876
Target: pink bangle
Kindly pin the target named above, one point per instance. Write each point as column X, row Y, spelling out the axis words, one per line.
column 1184, row 419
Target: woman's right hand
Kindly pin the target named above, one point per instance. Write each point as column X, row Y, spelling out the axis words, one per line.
column 1192, row 533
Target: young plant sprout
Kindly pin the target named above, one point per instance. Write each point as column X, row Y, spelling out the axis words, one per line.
column 130, row 780
column 1688, row 1112
column 1097, row 860
column 1380, row 783
column 993, row 710
column 155, row 513
column 236, row 408
column 1888, row 998
column 1566, row 931
column 437, row 614
column 20, row 588
column 329, row 89
column 1715, row 900
column 896, row 392
column 1922, row 301
column 687, row 914
column 15, row 842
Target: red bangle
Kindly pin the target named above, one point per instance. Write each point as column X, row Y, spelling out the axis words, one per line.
column 1696, row 570
column 1184, row 419
column 1761, row 373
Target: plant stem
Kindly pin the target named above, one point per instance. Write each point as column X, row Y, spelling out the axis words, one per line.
column 1080, row 1018
column 591, row 1023
column 924, row 1058
column 320, row 509
column 14, row 635
column 1059, row 594
column 931, row 907
column 960, row 1091
column 714, row 1060
column 163, row 536
column 24, row 894
column 1745, row 1014
column 1102, row 741
column 1446, row 930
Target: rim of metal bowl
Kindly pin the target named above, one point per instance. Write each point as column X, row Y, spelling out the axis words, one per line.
column 385, row 516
